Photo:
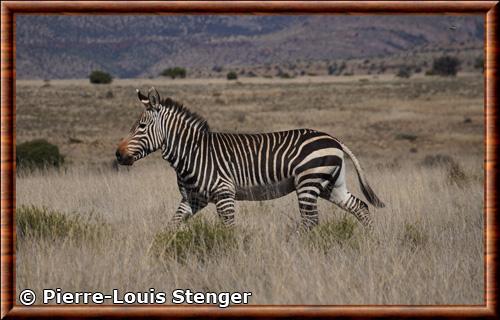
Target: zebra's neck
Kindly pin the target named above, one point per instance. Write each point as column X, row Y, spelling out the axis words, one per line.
column 185, row 136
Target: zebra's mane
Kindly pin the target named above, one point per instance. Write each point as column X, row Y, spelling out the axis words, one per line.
column 179, row 108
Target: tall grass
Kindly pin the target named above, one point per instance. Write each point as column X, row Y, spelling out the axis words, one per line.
column 34, row 223
column 426, row 246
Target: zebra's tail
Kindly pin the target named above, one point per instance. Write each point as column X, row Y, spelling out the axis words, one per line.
column 365, row 187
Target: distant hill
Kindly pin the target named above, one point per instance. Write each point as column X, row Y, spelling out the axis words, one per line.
column 140, row 46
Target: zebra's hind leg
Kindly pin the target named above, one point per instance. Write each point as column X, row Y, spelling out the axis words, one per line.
column 308, row 199
column 350, row 203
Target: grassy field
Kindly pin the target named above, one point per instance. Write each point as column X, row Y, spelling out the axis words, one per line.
column 420, row 141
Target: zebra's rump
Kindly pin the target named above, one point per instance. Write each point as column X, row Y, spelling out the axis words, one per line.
column 265, row 192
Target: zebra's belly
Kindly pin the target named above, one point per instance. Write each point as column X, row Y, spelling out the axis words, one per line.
column 266, row 192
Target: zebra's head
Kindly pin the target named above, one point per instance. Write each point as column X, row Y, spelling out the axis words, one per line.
column 145, row 136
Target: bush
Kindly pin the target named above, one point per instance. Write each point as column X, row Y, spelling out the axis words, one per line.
column 284, row 75
column 200, row 238
column 217, row 69
column 406, row 136
column 404, row 72
column 333, row 233
column 35, row 222
column 333, row 70
column 38, row 154
column 231, row 75
column 173, row 73
column 100, row 77
column 479, row 63
column 445, row 66
column 438, row 160
column 455, row 173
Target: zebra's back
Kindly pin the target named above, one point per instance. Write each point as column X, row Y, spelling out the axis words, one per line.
column 272, row 159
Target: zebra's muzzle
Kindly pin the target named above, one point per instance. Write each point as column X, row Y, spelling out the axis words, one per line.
column 124, row 160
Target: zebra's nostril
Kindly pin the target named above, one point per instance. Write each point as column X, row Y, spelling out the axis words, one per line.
column 118, row 155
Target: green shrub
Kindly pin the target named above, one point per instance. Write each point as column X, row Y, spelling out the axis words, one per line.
column 404, row 72
column 231, row 75
column 406, row 136
column 284, row 75
column 35, row 222
column 479, row 63
column 333, row 233
column 333, row 70
column 100, row 77
column 38, row 154
column 176, row 72
column 200, row 238
column 445, row 66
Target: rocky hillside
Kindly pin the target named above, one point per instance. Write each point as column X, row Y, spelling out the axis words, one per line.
column 141, row 46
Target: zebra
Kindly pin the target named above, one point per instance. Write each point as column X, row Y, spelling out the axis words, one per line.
column 220, row 168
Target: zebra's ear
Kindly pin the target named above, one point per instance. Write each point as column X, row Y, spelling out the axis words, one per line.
column 154, row 98
column 142, row 98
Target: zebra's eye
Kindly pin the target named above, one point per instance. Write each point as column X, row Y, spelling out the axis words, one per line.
column 142, row 125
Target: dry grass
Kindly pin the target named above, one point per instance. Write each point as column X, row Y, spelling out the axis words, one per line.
column 427, row 246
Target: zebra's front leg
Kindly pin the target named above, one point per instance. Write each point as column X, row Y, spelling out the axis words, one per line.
column 186, row 209
column 183, row 211
column 225, row 207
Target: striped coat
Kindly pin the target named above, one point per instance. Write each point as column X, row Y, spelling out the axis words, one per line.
column 220, row 168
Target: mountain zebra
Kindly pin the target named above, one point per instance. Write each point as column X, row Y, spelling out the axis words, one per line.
column 221, row 167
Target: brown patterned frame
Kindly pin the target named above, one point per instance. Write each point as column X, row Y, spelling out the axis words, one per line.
column 10, row 8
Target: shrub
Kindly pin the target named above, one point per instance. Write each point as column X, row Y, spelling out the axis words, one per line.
column 406, row 136
column 231, row 75
column 479, row 63
column 200, row 238
column 38, row 154
column 217, row 68
column 333, row 233
column 404, row 72
column 455, row 173
column 32, row 221
column 445, row 66
column 333, row 70
column 240, row 116
column 437, row 160
column 109, row 94
column 284, row 75
column 100, row 77
column 173, row 73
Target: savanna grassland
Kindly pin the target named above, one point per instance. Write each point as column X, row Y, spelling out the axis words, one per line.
column 92, row 227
